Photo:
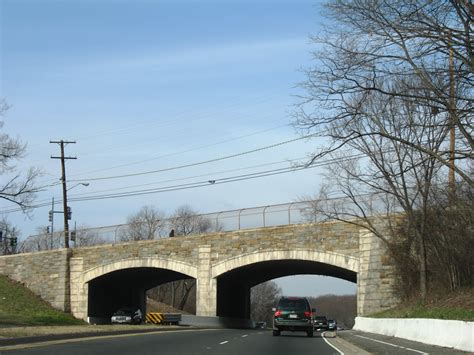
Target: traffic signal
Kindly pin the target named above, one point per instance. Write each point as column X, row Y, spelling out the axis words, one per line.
column 69, row 212
column 1, row 236
column 13, row 242
column 50, row 215
column 73, row 236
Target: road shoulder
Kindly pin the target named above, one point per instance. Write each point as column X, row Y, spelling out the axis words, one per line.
column 344, row 346
column 381, row 344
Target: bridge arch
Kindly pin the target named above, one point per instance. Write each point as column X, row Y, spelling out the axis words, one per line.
column 149, row 262
column 236, row 276
column 346, row 262
column 123, row 283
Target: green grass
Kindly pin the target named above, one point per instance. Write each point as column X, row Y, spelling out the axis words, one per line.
column 21, row 307
column 424, row 312
column 455, row 306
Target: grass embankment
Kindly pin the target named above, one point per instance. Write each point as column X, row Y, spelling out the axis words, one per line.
column 454, row 306
column 21, row 307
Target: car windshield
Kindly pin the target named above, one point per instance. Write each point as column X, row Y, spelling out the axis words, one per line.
column 293, row 305
column 125, row 311
column 321, row 318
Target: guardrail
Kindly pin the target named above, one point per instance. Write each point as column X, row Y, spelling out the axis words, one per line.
column 163, row 318
column 230, row 220
column 244, row 218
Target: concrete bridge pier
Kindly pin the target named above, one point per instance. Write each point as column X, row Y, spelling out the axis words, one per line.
column 206, row 286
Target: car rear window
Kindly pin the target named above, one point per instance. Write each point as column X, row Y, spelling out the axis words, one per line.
column 296, row 305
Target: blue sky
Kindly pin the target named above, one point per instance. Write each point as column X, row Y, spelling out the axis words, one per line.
column 146, row 85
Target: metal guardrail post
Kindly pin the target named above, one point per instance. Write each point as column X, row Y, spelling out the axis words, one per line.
column 240, row 211
column 264, row 224
column 115, row 233
column 289, row 212
column 217, row 219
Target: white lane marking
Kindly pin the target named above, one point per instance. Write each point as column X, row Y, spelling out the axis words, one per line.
column 394, row 345
column 332, row 346
column 244, row 336
column 224, row 342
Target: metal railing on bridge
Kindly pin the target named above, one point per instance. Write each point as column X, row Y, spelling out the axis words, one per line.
column 237, row 219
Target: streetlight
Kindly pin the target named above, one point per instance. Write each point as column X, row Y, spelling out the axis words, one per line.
column 81, row 183
column 67, row 210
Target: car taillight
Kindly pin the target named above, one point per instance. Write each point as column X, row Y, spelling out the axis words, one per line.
column 308, row 314
column 277, row 313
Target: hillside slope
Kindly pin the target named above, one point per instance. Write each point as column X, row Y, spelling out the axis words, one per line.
column 21, row 307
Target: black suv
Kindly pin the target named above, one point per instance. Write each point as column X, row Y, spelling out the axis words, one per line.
column 320, row 322
column 294, row 314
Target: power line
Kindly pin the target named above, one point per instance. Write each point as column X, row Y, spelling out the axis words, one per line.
column 217, row 181
column 199, row 163
column 197, row 176
column 202, row 183
column 42, row 203
column 184, row 151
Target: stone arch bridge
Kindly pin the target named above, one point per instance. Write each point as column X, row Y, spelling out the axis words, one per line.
column 95, row 281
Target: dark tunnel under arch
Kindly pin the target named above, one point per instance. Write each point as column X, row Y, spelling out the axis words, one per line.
column 125, row 287
column 233, row 287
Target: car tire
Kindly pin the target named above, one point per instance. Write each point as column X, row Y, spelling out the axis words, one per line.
column 310, row 333
column 276, row 333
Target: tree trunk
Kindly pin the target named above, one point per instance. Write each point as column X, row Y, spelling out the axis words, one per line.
column 423, row 268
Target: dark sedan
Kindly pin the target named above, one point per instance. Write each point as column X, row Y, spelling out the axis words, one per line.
column 127, row 315
column 320, row 323
column 332, row 324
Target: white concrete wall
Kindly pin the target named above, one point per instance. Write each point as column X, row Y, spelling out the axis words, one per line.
column 447, row 333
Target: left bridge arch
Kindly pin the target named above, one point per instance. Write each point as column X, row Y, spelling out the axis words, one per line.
column 101, row 290
column 148, row 262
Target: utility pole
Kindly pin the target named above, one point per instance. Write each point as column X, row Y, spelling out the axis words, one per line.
column 52, row 223
column 63, row 179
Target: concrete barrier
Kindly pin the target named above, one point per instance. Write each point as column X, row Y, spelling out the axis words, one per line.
column 447, row 333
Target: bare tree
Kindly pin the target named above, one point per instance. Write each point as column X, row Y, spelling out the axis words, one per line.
column 178, row 294
column 263, row 298
column 41, row 241
column 420, row 51
column 187, row 287
column 342, row 308
column 87, row 238
column 393, row 80
column 16, row 187
column 8, row 231
column 387, row 177
column 449, row 241
column 185, row 221
column 147, row 224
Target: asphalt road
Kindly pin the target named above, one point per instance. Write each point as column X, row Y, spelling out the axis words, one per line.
column 225, row 341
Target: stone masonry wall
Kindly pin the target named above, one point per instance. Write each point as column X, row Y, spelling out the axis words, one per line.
column 48, row 273
column 45, row 273
column 332, row 237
